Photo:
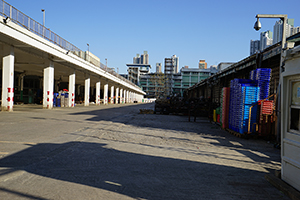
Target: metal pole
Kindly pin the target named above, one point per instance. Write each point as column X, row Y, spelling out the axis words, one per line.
column 43, row 10
column 281, row 68
column 88, row 59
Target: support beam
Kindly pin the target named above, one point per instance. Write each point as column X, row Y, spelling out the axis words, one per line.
column 71, row 102
column 121, row 96
column 87, row 83
column 21, row 85
column 8, row 79
column 98, row 93
column 112, row 94
column 117, row 95
column 105, row 94
column 125, row 96
column 48, row 85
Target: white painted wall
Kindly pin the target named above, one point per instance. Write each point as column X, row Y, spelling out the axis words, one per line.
column 290, row 120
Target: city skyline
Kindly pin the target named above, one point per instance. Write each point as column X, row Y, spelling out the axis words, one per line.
column 219, row 33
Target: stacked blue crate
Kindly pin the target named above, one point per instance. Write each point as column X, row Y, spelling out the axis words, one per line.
column 263, row 77
column 249, row 97
column 243, row 92
column 231, row 104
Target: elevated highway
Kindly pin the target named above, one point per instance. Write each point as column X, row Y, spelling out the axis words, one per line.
column 28, row 48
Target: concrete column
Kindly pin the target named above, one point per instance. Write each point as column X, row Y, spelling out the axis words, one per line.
column 21, row 84
column 112, row 94
column 124, row 96
column 98, row 93
column 87, row 83
column 105, row 94
column 72, row 89
column 78, row 89
column 127, row 96
column 48, row 85
column 8, row 79
column 121, row 96
column 117, row 95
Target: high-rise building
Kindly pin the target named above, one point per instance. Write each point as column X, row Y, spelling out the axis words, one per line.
column 139, row 67
column 175, row 62
column 153, row 84
column 295, row 30
column 169, row 71
column 137, row 59
column 171, row 67
column 202, row 64
column 277, row 30
column 254, row 46
column 266, row 39
column 158, row 67
column 145, row 58
column 188, row 77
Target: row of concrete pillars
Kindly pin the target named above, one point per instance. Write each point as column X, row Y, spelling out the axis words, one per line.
column 7, row 100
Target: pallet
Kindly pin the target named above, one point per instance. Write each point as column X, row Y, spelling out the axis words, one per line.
column 239, row 135
column 146, row 111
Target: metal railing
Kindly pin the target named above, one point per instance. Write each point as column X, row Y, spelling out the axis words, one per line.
column 6, row 10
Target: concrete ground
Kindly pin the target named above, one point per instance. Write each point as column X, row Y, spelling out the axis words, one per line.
column 113, row 152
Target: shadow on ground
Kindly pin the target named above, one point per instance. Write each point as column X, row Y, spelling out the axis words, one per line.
column 136, row 175
column 202, row 127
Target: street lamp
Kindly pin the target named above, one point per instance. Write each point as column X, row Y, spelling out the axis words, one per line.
column 257, row 26
column 88, row 57
column 105, row 64
column 43, row 10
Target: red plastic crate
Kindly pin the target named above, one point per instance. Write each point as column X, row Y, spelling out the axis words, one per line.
column 225, row 106
column 267, row 107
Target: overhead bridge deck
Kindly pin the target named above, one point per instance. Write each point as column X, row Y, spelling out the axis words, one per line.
column 29, row 49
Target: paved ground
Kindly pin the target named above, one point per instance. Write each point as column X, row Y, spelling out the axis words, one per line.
column 112, row 152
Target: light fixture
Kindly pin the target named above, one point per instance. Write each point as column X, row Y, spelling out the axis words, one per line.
column 6, row 20
column 257, row 25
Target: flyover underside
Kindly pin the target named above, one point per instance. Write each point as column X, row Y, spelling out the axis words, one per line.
column 33, row 71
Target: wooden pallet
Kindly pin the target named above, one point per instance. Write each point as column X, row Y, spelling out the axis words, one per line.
column 146, row 111
column 237, row 134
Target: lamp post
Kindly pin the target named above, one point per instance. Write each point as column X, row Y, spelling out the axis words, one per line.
column 43, row 10
column 88, row 56
column 257, row 26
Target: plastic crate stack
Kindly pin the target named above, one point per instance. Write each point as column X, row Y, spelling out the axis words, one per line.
column 225, row 97
column 263, row 77
column 267, row 107
column 265, row 118
column 243, row 93
column 250, row 95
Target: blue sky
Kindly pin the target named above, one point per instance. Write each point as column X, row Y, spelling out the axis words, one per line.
column 215, row 31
